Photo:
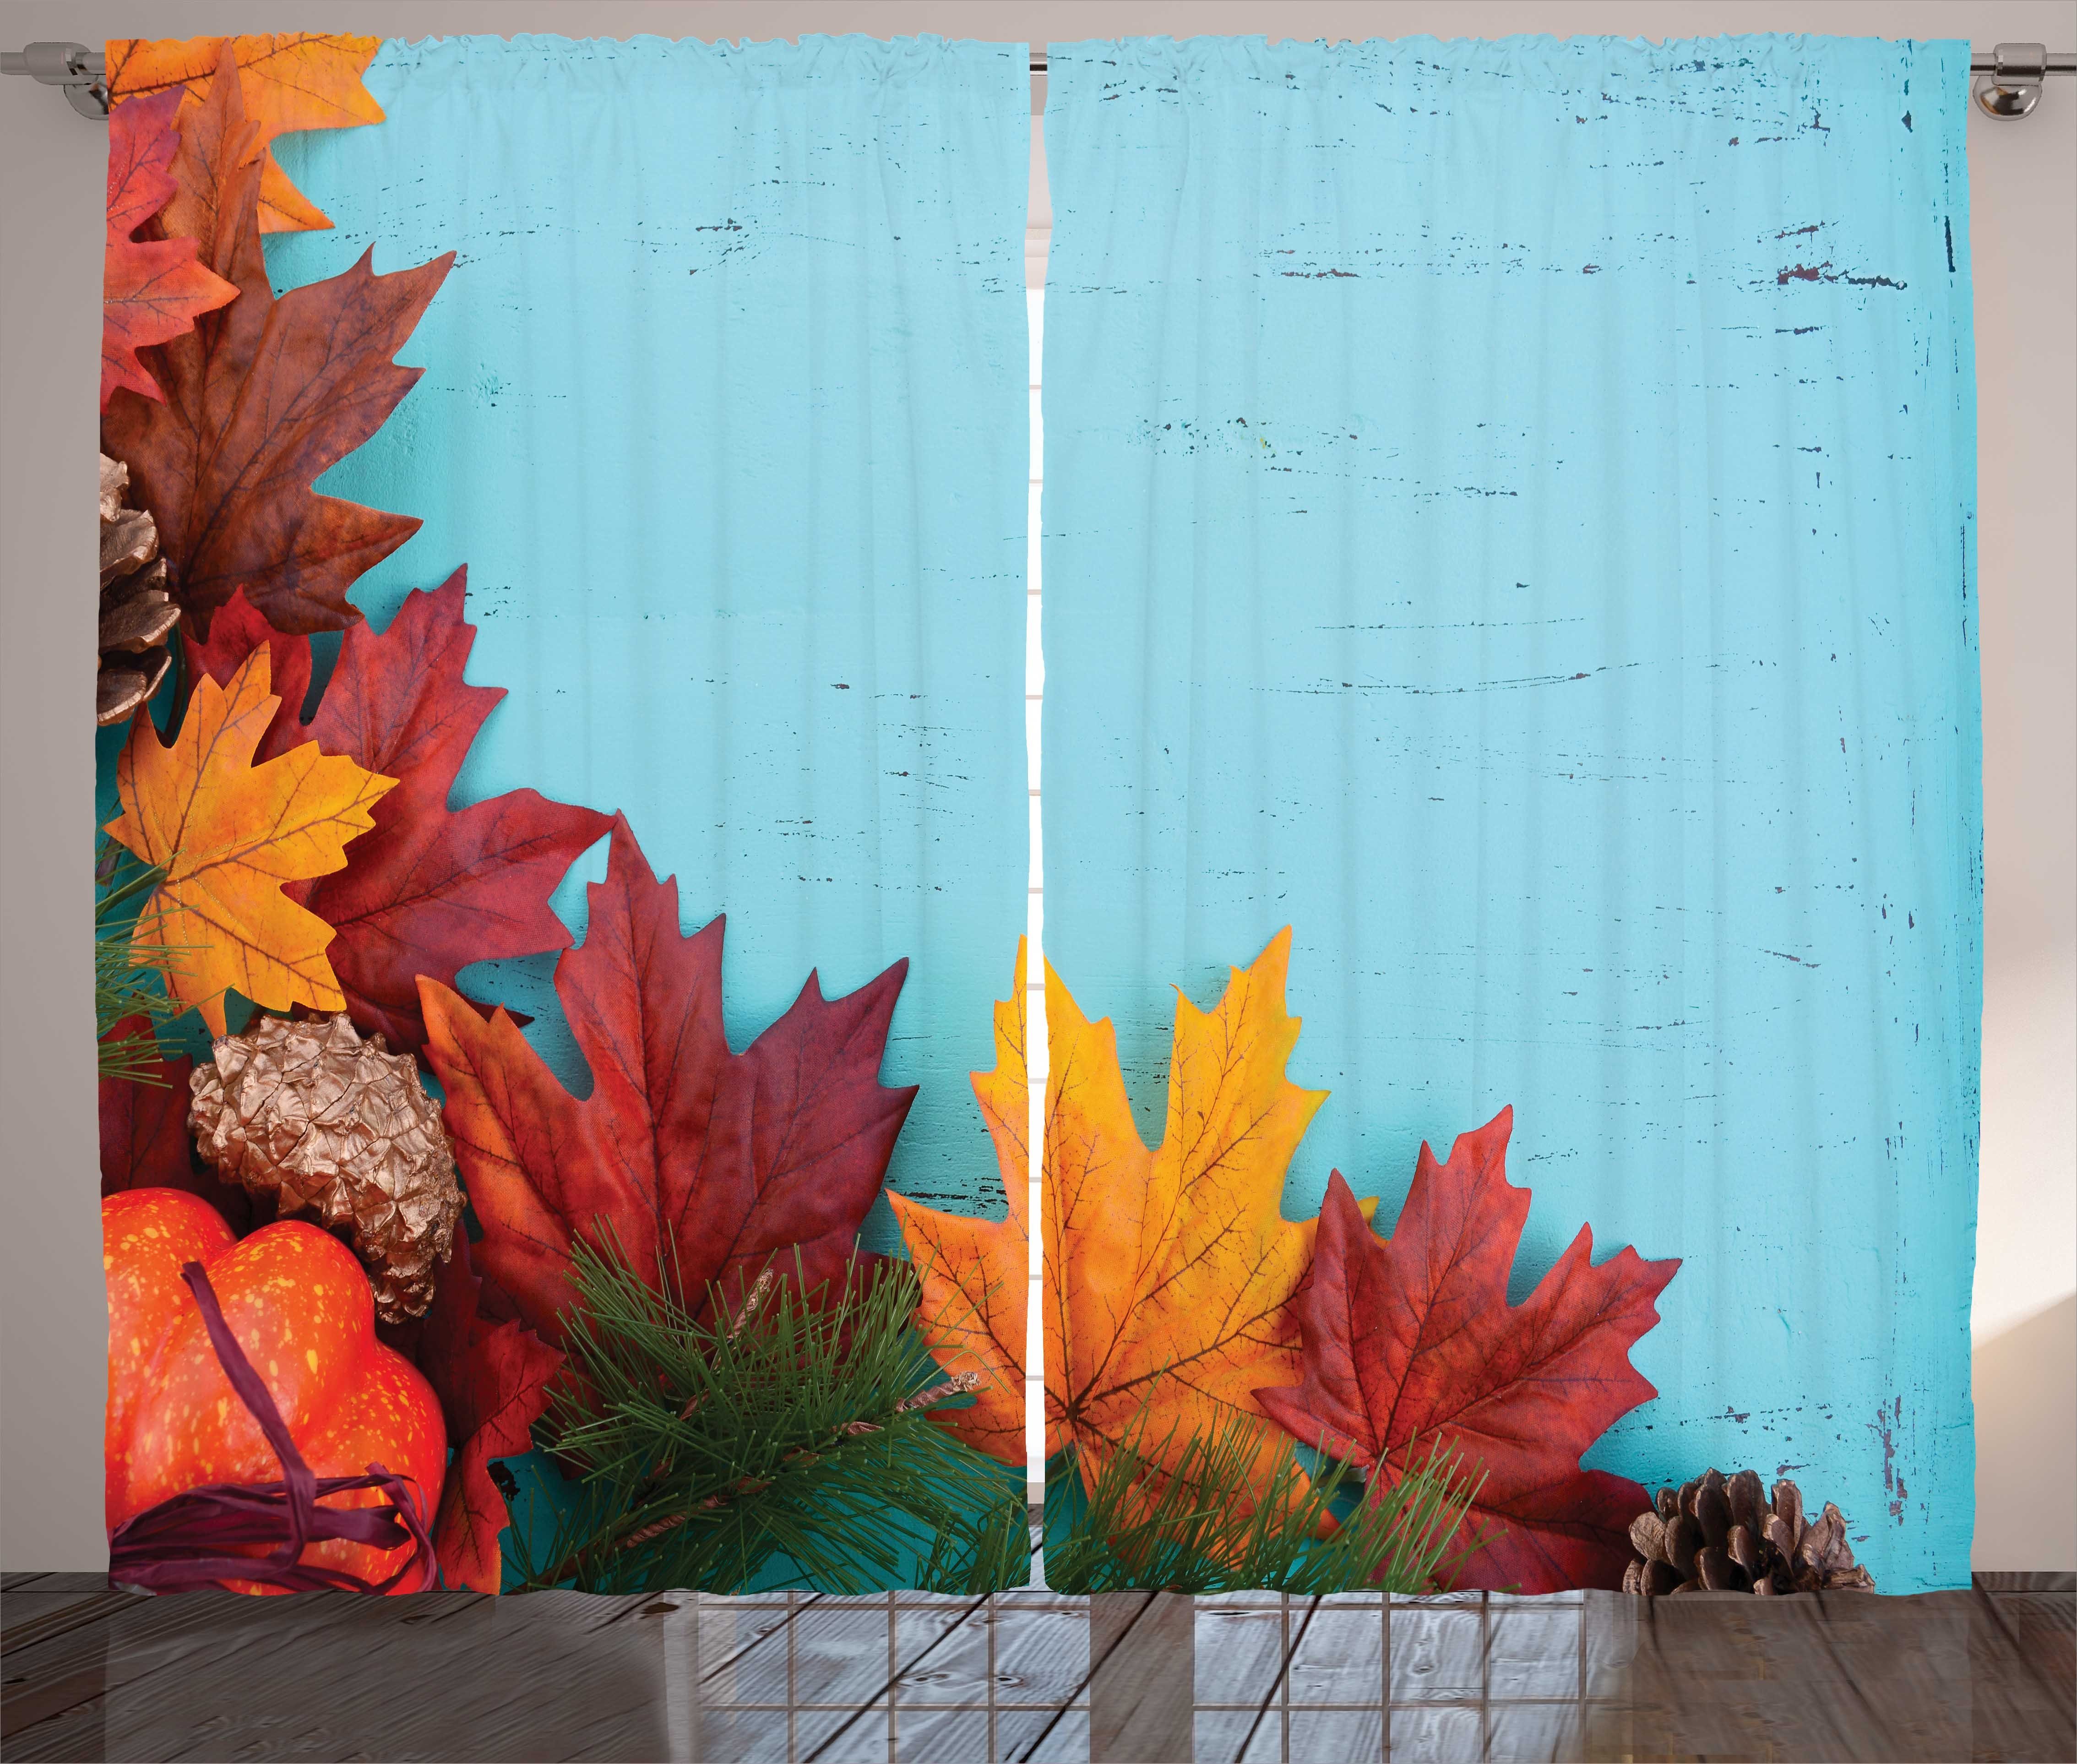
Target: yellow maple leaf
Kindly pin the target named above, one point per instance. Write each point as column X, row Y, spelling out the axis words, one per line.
column 1170, row 1273
column 228, row 833
column 289, row 80
column 975, row 1271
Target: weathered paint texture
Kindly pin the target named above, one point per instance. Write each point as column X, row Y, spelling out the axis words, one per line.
column 724, row 409
column 1509, row 516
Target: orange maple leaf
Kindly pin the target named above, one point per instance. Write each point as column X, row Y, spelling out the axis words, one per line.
column 289, row 81
column 228, row 833
column 975, row 1271
column 1170, row 1274
column 152, row 289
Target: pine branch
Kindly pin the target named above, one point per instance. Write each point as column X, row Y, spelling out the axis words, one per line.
column 129, row 979
column 706, row 1450
column 1203, row 1527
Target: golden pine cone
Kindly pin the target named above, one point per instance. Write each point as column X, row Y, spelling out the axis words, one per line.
column 1721, row 1534
column 330, row 1124
column 137, row 611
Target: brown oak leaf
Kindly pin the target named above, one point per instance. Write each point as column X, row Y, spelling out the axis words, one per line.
column 701, row 1167
column 1409, row 1343
column 260, row 398
column 431, row 889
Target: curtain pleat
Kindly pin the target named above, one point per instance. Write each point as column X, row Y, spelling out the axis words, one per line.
column 1509, row 519
column 658, row 793
column 724, row 412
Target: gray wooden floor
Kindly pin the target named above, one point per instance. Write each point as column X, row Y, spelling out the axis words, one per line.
column 906, row 1678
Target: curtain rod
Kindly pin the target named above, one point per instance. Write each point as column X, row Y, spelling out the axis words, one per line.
column 2007, row 81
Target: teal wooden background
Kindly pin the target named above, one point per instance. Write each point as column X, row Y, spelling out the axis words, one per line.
column 724, row 409
column 1509, row 515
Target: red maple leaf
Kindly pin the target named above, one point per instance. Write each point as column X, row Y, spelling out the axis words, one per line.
column 145, row 1140
column 260, row 397
column 429, row 888
column 234, row 634
column 1409, row 1342
column 492, row 1378
column 702, row 1164
column 152, row 289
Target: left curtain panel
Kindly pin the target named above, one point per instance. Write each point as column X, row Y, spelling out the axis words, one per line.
column 554, row 494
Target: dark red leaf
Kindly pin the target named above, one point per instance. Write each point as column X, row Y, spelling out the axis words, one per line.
column 234, row 634
column 144, row 1139
column 492, row 1378
column 703, row 1164
column 429, row 888
column 1410, row 1341
column 152, row 288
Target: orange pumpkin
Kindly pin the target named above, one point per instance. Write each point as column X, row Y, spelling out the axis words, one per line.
column 299, row 1305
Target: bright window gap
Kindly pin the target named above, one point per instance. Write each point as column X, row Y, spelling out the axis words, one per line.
column 1034, row 1346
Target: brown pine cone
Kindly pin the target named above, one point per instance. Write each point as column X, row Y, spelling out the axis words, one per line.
column 137, row 611
column 330, row 1124
column 1724, row 1536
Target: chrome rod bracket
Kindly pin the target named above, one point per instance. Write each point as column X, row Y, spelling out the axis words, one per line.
column 73, row 67
column 2010, row 87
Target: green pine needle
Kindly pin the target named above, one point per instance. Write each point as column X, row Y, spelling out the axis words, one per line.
column 1201, row 1526
column 706, row 1450
column 129, row 978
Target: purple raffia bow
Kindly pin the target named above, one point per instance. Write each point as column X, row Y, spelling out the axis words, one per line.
column 183, row 1544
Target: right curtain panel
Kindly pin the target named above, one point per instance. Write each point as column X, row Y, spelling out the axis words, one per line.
column 1511, row 608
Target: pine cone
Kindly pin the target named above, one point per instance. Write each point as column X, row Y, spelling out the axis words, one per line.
column 137, row 613
column 1721, row 1536
column 330, row 1124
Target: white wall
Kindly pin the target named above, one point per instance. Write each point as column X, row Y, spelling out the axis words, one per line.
column 2024, row 240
